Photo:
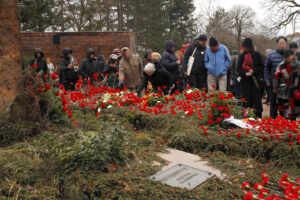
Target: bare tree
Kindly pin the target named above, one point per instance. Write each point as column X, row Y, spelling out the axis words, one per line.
column 242, row 21
column 285, row 12
column 81, row 14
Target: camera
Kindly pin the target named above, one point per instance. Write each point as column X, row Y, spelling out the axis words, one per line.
column 114, row 61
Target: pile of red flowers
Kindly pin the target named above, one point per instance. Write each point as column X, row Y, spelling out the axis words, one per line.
column 210, row 108
column 219, row 108
column 287, row 189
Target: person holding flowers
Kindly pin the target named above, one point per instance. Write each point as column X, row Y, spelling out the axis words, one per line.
column 249, row 67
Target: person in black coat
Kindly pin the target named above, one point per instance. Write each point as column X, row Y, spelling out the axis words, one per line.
column 294, row 47
column 68, row 73
column 110, row 71
column 100, row 64
column 147, row 57
column 198, row 76
column 158, row 76
column 39, row 63
column 88, row 67
column 170, row 62
column 250, row 65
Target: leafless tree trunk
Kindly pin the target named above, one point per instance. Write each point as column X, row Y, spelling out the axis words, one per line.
column 242, row 18
column 10, row 52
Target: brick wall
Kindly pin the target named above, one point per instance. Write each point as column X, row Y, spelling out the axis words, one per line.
column 103, row 42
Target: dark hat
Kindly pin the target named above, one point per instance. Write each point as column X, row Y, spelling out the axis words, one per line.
column 202, row 37
column 288, row 52
column 149, row 51
column 213, row 42
column 293, row 45
column 248, row 43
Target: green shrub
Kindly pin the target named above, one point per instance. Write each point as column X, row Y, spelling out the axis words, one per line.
column 17, row 130
column 94, row 150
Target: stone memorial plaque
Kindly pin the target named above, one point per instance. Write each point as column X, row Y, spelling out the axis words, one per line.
column 182, row 176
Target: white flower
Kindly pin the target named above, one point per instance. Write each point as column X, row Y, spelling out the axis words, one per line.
column 110, row 106
column 186, row 112
column 105, row 101
column 189, row 91
column 99, row 109
column 251, row 119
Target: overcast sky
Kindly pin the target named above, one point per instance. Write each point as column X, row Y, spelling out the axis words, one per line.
column 256, row 5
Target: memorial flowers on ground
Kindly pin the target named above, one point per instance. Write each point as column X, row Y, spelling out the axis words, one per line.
column 285, row 188
column 210, row 108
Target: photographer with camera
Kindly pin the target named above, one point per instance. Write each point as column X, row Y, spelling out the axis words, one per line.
column 68, row 73
column 110, row 71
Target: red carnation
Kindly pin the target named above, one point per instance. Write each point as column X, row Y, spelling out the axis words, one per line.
column 239, row 134
column 54, row 76
column 96, row 76
column 226, row 115
column 47, row 86
column 246, row 185
column 210, row 122
column 218, row 120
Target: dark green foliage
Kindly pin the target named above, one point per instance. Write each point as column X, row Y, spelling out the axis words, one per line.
column 36, row 15
column 153, row 21
column 94, row 150
column 17, row 130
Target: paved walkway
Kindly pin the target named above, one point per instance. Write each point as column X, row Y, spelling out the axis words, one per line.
column 175, row 157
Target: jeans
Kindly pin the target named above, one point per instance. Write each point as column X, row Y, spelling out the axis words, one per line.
column 237, row 89
column 269, row 93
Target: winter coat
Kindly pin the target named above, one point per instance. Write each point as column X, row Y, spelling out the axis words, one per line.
column 169, row 61
column 249, row 90
column 108, row 69
column 160, row 78
column 67, row 77
column 88, row 67
column 146, row 60
column 273, row 60
column 234, row 67
column 218, row 62
column 131, row 70
column 198, row 66
column 40, row 62
column 282, row 85
column 111, row 75
column 298, row 56
column 294, row 90
column 100, row 64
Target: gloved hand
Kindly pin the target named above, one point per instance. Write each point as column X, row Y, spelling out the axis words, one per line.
column 121, row 84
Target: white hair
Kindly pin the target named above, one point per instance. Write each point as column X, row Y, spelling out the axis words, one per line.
column 150, row 67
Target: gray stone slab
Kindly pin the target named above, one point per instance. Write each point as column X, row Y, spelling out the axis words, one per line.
column 182, row 176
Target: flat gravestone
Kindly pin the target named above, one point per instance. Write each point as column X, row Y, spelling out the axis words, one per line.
column 182, row 176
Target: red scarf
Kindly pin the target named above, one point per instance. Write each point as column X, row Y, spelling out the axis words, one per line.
column 248, row 62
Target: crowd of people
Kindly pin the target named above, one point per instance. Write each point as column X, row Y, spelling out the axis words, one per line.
column 202, row 64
